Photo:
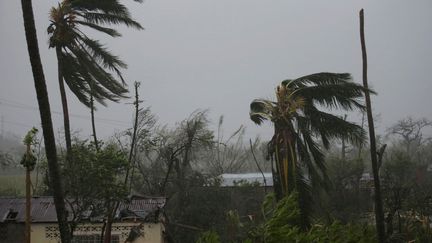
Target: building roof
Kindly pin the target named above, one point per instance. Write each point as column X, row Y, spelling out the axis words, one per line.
column 43, row 209
column 238, row 179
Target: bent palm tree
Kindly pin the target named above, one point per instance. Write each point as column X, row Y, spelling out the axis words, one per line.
column 298, row 123
column 87, row 67
column 45, row 115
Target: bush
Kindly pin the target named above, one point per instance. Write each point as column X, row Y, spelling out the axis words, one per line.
column 209, row 237
column 283, row 226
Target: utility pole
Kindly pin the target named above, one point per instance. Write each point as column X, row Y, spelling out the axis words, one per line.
column 28, row 201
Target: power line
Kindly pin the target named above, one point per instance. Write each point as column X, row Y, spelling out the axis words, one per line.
column 17, row 123
column 18, row 105
column 2, row 126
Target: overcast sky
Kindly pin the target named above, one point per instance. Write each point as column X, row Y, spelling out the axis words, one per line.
column 220, row 55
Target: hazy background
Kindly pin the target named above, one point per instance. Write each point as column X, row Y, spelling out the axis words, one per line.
column 220, row 55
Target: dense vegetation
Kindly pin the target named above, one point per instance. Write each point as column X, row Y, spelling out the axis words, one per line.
column 236, row 214
column 323, row 191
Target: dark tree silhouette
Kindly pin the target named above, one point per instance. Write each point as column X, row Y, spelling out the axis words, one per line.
column 45, row 114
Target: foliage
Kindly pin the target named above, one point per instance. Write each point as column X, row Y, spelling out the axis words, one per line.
column 284, row 226
column 406, row 196
column 174, row 162
column 29, row 138
column 100, row 185
column 406, row 183
column 208, row 237
column 29, row 160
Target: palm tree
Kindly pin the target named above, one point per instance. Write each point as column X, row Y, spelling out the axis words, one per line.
column 45, row 114
column 84, row 64
column 299, row 122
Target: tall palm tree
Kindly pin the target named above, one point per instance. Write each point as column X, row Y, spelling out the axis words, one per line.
column 299, row 122
column 45, row 114
column 84, row 64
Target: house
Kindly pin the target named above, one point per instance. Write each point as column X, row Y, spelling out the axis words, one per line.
column 141, row 220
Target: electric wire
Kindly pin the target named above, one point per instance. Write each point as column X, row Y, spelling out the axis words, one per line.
column 17, row 105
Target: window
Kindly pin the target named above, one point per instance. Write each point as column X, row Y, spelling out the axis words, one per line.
column 12, row 214
column 93, row 238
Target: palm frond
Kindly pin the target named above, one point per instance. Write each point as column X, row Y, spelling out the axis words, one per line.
column 89, row 68
column 101, row 54
column 82, row 83
column 329, row 126
column 261, row 110
column 73, row 78
column 108, row 31
column 313, row 161
column 95, row 73
column 346, row 96
column 108, row 18
column 323, row 78
column 311, row 146
column 107, row 6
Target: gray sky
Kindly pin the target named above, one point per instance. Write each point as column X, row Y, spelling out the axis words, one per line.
column 220, row 55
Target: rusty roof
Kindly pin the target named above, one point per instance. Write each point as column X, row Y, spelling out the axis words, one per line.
column 43, row 208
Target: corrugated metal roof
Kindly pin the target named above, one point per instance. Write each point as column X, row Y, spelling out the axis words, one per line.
column 43, row 208
column 234, row 179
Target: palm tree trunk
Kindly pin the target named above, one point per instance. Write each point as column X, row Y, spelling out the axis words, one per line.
column 379, row 213
column 92, row 108
column 64, row 104
column 45, row 114
column 277, row 174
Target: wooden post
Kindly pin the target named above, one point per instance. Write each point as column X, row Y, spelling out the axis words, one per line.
column 28, row 200
column 379, row 213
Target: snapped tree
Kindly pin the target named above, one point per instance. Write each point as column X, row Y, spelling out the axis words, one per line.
column 379, row 212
